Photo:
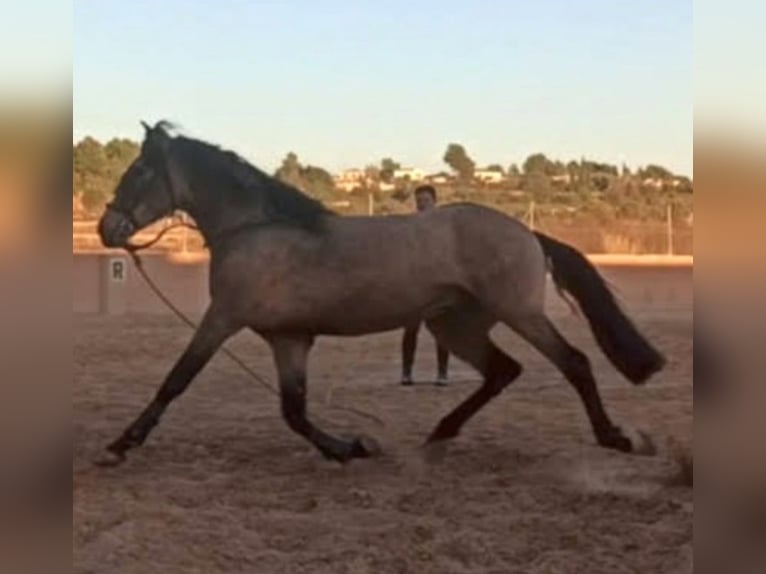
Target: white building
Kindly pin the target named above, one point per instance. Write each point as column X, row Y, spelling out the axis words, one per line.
column 488, row 176
column 410, row 173
column 438, row 178
column 350, row 179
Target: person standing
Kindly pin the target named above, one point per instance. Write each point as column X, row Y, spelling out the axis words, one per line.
column 425, row 199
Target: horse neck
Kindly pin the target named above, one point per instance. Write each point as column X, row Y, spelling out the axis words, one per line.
column 217, row 214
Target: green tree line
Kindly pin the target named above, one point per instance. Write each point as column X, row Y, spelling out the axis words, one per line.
column 583, row 185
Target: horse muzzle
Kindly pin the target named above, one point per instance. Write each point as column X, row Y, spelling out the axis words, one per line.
column 115, row 228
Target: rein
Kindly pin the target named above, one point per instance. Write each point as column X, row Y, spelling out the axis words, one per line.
column 133, row 250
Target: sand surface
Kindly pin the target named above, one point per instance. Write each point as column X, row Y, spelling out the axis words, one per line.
column 223, row 486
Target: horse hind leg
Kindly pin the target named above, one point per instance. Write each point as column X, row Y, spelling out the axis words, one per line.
column 575, row 366
column 465, row 333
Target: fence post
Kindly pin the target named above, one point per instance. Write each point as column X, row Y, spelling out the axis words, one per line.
column 670, row 228
column 113, row 292
column 370, row 204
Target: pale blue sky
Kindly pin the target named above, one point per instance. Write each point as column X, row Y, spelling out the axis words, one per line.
column 346, row 83
column 730, row 88
column 35, row 51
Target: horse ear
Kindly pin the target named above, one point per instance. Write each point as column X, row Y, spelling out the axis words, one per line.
column 161, row 136
column 157, row 136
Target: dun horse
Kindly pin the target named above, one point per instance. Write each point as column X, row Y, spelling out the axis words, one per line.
column 291, row 270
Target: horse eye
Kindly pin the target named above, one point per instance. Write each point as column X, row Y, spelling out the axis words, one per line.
column 143, row 171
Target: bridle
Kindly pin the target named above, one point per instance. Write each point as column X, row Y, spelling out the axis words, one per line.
column 127, row 215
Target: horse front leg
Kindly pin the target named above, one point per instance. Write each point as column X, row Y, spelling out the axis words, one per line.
column 210, row 335
column 291, row 357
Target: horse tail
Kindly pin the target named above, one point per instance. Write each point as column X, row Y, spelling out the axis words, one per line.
column 626, row 348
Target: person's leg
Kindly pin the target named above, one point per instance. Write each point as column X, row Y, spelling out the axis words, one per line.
column 442, row 360
column 409, row 344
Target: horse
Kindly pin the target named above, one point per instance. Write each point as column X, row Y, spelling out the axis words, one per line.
column 291, row 270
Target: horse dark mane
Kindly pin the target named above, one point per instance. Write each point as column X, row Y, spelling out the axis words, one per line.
column 247, row 186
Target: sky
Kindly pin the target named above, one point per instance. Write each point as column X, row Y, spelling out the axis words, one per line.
column 729, row 88
column 345, row 84
column 35, row 51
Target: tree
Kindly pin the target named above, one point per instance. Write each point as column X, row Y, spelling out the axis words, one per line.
column 372, row 173
column 310, row 179
column 318, row 182
column 89, row 157
column 538, row 163
column 573, row 170
column 513, row 177
column 584, row 177
column 685, row 185
column 558, row 168
column 91, row 174
column 387, row 169
column 290, row 170
column 457, row 158
column 495, row 167
column 601, row 181
column 121, row 151
column 538, row 186
column 601, row 168
column 653, row 171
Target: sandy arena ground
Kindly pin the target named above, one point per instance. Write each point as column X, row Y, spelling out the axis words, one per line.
column 223, row 486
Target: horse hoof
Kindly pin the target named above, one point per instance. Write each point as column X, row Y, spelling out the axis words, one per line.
column 109, row 458
column 643, row 444
column 365, row 446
